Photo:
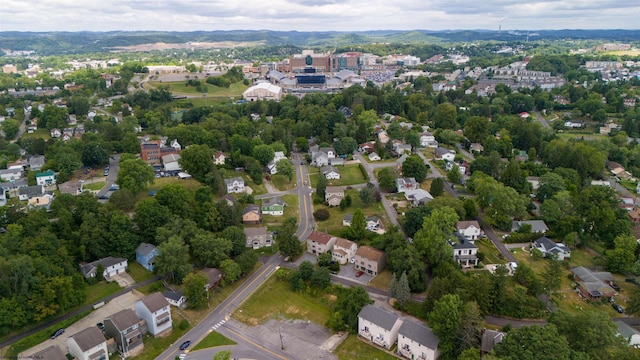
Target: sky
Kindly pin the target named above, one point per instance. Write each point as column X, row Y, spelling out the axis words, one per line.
column 316, row 15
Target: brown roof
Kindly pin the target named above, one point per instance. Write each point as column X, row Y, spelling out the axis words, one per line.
column 344, row 243
column 51, row 353
column 320, row 237
column 214, row 275
column 340, row 252
column 89, row 338
column 124, row 319
column 334, row 189
column 255, row 231
column 155, row 302
column 466, row 224
column 369, row 253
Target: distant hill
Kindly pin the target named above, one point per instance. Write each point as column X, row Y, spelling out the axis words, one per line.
column 49, row 43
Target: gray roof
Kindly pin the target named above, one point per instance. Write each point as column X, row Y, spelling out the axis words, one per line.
column 155, row 302
column 15, row 184
column 31, row 191
column 348, row 217
column 231, row 180
column 419, row 333
column 124, row 319
column 491, row 338
column 536, row 225
column 329, row 168
column 464, row 244
column 550, row 244
column 250, row 208
column 625, row 330
column 380, row 317
column 89, row 338
column 173, row 295
column 51, row 353
column 105, row 262
column 36, row 161
column 255, row 231
column 273, row 201
column 144, row 249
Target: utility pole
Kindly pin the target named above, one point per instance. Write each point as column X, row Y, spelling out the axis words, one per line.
column 281, row 340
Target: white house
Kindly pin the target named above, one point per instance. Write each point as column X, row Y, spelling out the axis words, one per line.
column 548, row 246
column 219, row 158
column 374, row 156
column 445, row 154
column 406, row 184
column 271, row 167
column 465, row 253
column 417, row 341
column 418, row 196
column 234, row 185
column 629, row 334
column 469, row 229
column 171, row 162
column 111, row 265
column 330, row 172
column 10, row 174
column 378, row 326
column 428, row 140
column 46, row 178
column 88, row 344
column 175, row 298
column 155, row 310
column 319, row 242
column 344, row 251
column 538, row 226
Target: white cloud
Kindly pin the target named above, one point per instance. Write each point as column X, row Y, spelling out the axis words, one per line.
column 315, row 15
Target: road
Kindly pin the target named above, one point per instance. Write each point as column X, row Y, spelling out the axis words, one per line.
column 541, row 119
column 390, row 210
column 111, row 178
column 23, row 126
column 85, row 308
column 305, row 193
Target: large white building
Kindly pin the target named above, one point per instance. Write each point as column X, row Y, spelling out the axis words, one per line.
column 263, row 91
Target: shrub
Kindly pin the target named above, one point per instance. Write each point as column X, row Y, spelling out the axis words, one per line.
column 321, row 214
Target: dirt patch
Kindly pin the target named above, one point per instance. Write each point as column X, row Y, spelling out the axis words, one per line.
column 292, row 310
column 331, row 297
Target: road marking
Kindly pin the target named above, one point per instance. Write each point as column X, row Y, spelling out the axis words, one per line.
column 220, row 323
column 258, row 345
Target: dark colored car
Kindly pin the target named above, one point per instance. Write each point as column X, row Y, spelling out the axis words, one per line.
column 57, row 333
column 100, row 326
column 185, row 344
column 618, row 308
column 359, row 273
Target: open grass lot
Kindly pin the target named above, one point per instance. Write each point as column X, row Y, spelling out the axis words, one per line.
column 40, row 133
column 37, row 338
column 138, row 273
column 491, row 254
column 382, row 281
column 99, row 290
column 282, row 183
column 333, row 225
column 274, row 299
column 95, row 186
column 353, row 348
column 257, row 189
column 212, row 340
column 349, row 175
column 291, row 210
column 580, row 135
column 190, row 184
column 179, row 87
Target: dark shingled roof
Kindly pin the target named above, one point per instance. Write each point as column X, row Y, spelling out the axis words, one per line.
column 144, row 249
column 155, row 302
column 124, row 319
column 88, row 338
column 51, row 353
column 419, row 333
column 380, row 317
column 173, row 295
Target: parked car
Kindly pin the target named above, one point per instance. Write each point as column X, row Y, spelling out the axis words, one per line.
column 359, row 273
column 57, row 333
column 185, row 344
column 618, row 308
column 100, row 326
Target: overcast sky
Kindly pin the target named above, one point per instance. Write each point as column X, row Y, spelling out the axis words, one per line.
column 316, row 15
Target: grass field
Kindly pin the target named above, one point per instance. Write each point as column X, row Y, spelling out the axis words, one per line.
column 282, row 183
column 257, row 189
column 180, row 88
column 212, row 340
column 333, row 225
column 353, row 348
column 138, row 273
column 349, row 175
column 94, row 186
column 491, row 254
column 100, row 290
column 274, row 299
column 40, row 133
column 291, row 210
column 382, row 281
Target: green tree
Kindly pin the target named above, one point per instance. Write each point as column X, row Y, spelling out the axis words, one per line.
column 437, row 187
column 123, row 199
column 453, row 175
column 172, row 261
column 247, row 261
column 321, row 188
column 197, row 160
column 135, row 175
column 393, row 287
column 285, row 167
column 414, row 167
column 592, row 333
column 237, row 237
column 445, row 117
column 552, row 278
column 550, row 184
column 264, row 154
column 403, row 293
column 387, row 179
column 222, row 355
column 230, row 271
column 149, row 216
column 288, row 242
column 633, row 303
column 533, row 343
column 620, row 259
column 348, row 304
column 321, row 278
column 210, row 250
column 476, row 128
column 357, row 230
column 367, row 195
column 10, row 128
column 194, row 290
column 445, row 320
column 431, row 240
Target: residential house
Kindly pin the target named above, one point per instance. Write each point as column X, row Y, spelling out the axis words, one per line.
column 378, row 326
column 400, row 161
column 175, row 298
column 629, row 334
column 337, row 161
column 219, row 158
column 347, row 112
column 36, row 162
column 146, row 255
column 319, row 242
column 171, row 162
column 418, row 197
column 490, row 338
column 470, row 229
column 71, row 187
column 111, row 265
column 346, row 220
column 27, row 192
column 17, row 165
column 229, row 199
column 445, row 154
column 593, row 285
column 462, row 166
column 156, row 311
column 538, row 226
column 344, row 251
column 370, row 260
column 330, row 172
column 427, row 139
column 257, row 237
column 534, row 181
column 271, row 167
column 234, row 185
column 88, row 344
column 465, row 252
column 274, row 206
column 214, row 277
column 53, row 352
column 550, row 248
column 406, row 184
column 476, row 148
column 10, row 174
column 417, row 341
column 319, row 159
column 627, row 203
column 372, row 222
column 400, row 148
column 333, row 195
column 574, row 124
column 40, row 202
column 367, row 147
column 46, row 178
column 127, row 330
column 3, row 197
column 251, row 215
column 374, row 156
column 55, row 133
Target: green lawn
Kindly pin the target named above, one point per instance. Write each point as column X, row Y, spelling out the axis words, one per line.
column 353, row 348
column 349, row 175
column 257, row 189
column 333, row 225
column 100, row 290
column 212, row 340
column 282, row 183
column 291, row 210
column 180, row 88
column 95, row 186
column 274, row 299
column 491, row 254
column 138, row 273
column 40, row 133
column 382, row 281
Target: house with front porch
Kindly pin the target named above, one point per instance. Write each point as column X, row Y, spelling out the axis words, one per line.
column 417, row 341
column 219, row 158
column 252, row 215
column 427, row 139
column 46, row 178
column 234, row 185
column 378, row 326
column 406, row 184
column 550, row 248
column 274, row 206
column 155, row 310
column 175, row 298
column 469, row 229
column 330, row 172
column 465, row 252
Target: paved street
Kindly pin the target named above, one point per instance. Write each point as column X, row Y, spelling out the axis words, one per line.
column 114, row 161
column 306, row 224
column 541, row 119
column 390, row 210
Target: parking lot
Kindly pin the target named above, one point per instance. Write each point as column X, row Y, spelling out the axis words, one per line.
column 96, row 316
column 347, row 271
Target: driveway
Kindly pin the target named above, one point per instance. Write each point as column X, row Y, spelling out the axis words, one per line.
column 121, row 302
